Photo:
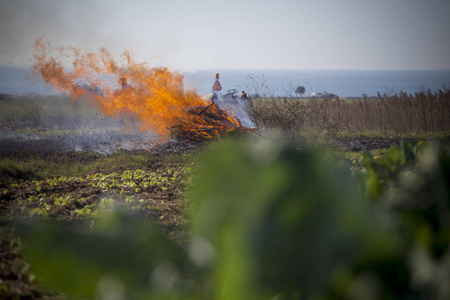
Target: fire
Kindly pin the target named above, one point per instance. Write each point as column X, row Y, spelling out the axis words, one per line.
column 155, row 96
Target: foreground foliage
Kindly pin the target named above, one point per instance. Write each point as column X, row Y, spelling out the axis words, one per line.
column 78, row 186
column 412, row 186
column 269, row 221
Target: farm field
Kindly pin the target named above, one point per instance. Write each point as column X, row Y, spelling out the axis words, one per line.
column 63, row 162
column 254, row 150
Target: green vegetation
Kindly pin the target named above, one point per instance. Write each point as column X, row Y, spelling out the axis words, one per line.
column 250, row 219
column 38, row 114
column 34, row 165
column 123, row 176
column 268, row 220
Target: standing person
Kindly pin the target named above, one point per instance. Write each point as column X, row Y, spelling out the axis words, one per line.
column 246, row 100
column 217, row 87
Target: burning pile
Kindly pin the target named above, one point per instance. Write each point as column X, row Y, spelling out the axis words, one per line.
column 206, row 123
column 156, row 97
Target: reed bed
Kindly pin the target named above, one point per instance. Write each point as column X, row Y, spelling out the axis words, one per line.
column 424, row 113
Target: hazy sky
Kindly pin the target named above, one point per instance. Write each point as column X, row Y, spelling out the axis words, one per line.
column 247, row 34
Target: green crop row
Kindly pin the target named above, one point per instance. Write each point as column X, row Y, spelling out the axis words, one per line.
column 270, row 222
column 44, row 199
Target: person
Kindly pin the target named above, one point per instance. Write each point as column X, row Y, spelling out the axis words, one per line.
column 123, row 86
column 217, row 87
column 247, row 101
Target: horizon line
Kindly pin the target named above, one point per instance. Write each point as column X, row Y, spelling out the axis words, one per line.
column 190, row 70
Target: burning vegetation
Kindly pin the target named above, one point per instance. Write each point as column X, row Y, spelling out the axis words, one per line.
column 155, row 97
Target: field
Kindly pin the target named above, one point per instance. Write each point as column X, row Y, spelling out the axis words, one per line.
column 91, row 207
column 422, row 115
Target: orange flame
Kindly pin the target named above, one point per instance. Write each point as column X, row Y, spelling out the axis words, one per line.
column 155, row 96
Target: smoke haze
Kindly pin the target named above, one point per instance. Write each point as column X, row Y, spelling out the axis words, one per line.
column 199, row 34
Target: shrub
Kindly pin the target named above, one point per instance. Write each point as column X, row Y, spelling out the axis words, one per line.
column 269, row 221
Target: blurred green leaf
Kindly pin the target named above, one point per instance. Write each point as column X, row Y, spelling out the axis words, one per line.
column 280, row 218
column 74, row 259
column 270, row 221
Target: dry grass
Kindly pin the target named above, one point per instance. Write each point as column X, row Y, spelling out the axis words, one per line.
column 422, row 114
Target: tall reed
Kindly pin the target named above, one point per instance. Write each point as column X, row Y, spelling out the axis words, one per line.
column 424, row 113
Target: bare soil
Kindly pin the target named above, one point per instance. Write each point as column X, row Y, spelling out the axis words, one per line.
column 161, row 200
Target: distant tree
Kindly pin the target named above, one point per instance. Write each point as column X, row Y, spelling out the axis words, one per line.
column 300, row 90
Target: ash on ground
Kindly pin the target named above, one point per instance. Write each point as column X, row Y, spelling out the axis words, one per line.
column 98, row 143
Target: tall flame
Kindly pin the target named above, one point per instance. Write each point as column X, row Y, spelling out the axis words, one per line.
column 157, row 96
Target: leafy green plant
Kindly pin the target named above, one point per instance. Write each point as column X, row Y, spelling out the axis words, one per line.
column 130, row 199
column 41, row 211
column 383, row 172
column 413, row 183
column 269, row 221
column 120, row 250
column 106, row 203
column 86, row 211
column 63, row 201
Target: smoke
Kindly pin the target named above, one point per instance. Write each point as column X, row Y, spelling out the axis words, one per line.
column 64, row 22
column 17, row 19
column 238, row 108
column 56, row 123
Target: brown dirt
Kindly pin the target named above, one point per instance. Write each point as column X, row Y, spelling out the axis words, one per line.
column 163, row 203
column 16, row 280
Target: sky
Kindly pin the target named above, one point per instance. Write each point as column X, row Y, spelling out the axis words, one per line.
column 238, row 34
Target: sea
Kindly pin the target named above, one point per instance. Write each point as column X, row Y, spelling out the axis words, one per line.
column 282, row 83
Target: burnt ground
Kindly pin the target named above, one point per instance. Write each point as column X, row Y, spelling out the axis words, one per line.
column 104, row 143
